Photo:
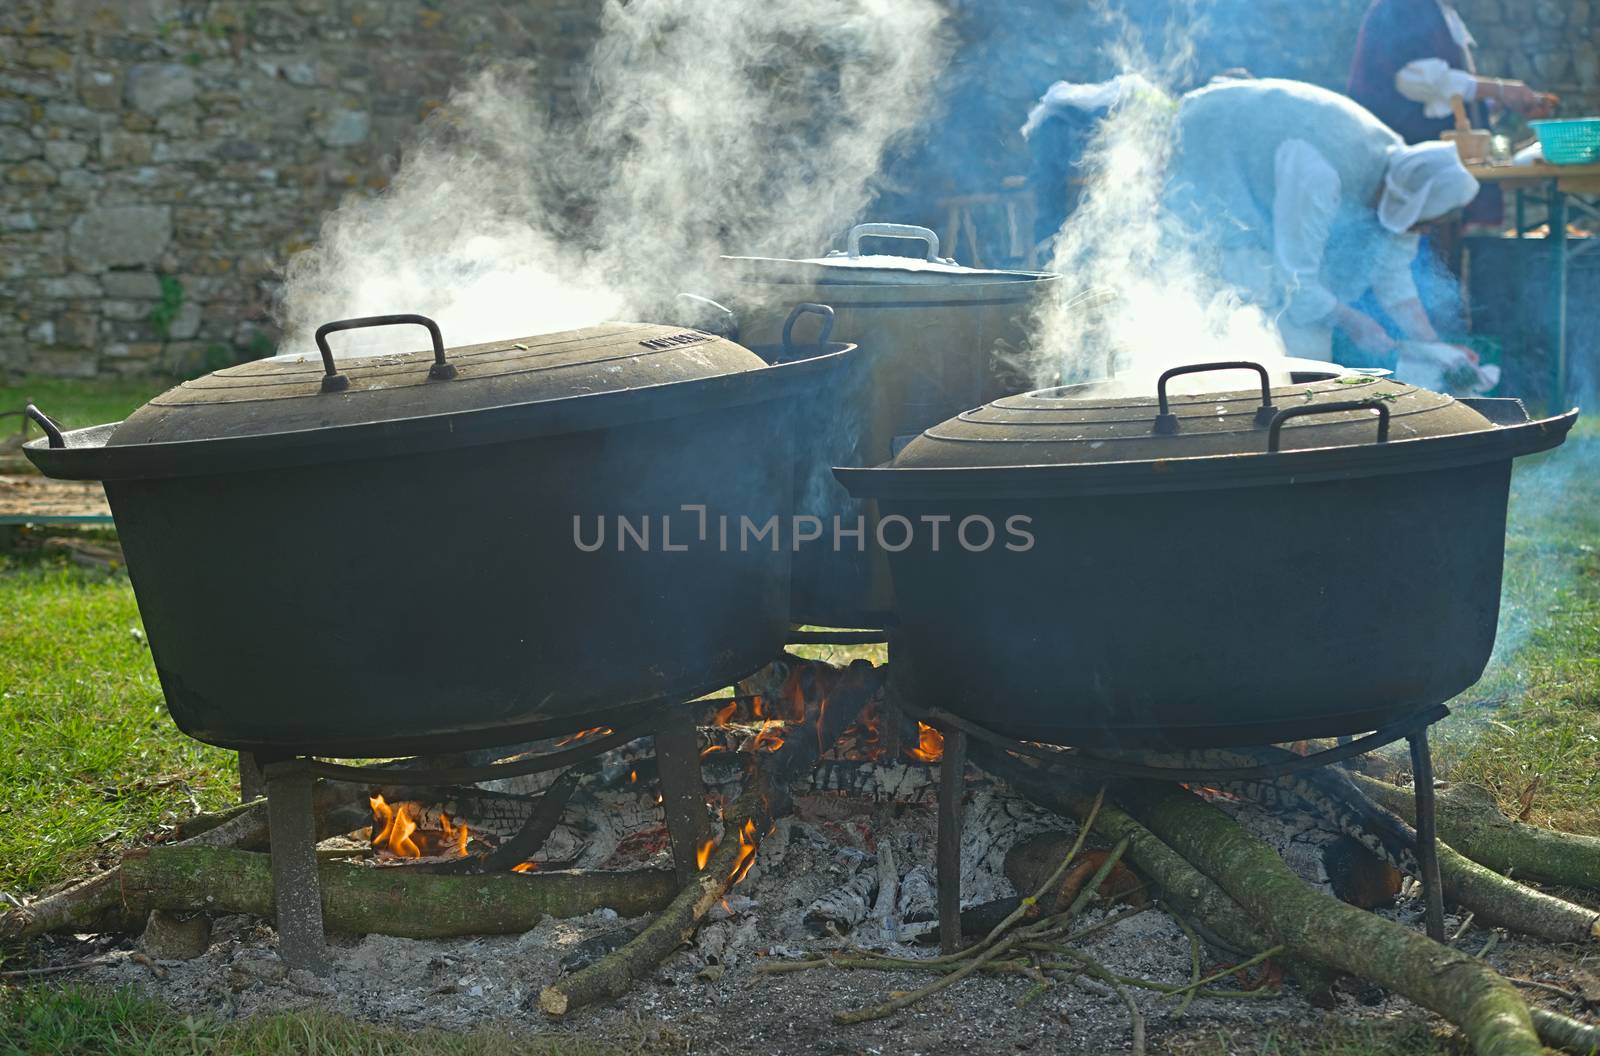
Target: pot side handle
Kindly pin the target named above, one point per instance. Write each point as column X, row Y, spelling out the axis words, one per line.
column 1273, row 434
column 911, row 231
column 826, row 331
column 333, row 381
column 51, row 427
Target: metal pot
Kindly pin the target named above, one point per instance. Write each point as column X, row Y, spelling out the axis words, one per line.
column 1230, row 568
column 929, row 331
column 382, row 555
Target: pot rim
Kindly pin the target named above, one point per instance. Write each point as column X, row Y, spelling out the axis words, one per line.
column 87, row 455
column 1207, row 472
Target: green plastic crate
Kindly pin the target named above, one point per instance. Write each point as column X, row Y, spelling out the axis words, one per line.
column 1571, row 142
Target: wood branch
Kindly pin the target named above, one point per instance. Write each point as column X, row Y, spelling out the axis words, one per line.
column 1457, row 986
column 1181, row 886
column 355, row 898
column 1492, row 897
column 747, row 818
column 1567, row 1034
column 1471, row 821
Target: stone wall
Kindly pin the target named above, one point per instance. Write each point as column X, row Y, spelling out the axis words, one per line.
column 160, row 159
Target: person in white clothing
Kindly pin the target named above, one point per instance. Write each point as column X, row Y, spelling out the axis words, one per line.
column 1304, row 202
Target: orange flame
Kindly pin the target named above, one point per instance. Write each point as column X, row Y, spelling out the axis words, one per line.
column 598, row 731
column 930, row 744
column 525, row 867
column 770, row 738
column 725, row 715
column 747, row 852
column 395, row 829
column 703, row 854
column 712, row 749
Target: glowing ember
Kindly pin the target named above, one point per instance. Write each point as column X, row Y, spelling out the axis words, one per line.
column 930, row 744
column 395, row 830
column 598, row 731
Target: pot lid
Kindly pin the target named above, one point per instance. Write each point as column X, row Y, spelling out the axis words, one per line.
column 284, row 394
column 1064, row 427
column 850, row 267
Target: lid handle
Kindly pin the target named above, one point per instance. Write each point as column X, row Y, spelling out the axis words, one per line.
column 1282, row 416
column 911, row 231
column 47, row 423
column 333, row 381
column 808, row 309
column 1167, row 422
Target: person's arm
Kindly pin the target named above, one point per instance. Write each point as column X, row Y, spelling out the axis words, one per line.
column 1433, row 82
column 1515, row 95
column 1306, row 198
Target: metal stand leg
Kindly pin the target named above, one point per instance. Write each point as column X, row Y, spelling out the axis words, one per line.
column 296, row 889
column 1558, row 300
column 1427, row 847
column 683, row 792
column 251, row 784
column 952, row 786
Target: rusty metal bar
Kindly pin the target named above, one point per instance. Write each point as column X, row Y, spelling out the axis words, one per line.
column 683, row 792
column 296, row 888
column 1427, row 833
column 952, row 788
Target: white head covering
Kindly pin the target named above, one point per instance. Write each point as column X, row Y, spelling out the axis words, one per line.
column 1424, row 182
column 1067, row 95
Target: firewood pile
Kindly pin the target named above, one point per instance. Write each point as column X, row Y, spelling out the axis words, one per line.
column 551, row 897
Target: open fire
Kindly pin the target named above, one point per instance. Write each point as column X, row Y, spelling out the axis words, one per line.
column 397, row 831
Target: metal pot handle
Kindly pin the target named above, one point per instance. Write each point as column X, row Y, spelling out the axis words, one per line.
column 1167, row 422
column 1273, row 434
column 808, row 309
column 333, row 381
column 912, row 231
column 51, row 428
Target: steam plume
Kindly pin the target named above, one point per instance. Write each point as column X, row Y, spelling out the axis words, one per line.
column 710, row 127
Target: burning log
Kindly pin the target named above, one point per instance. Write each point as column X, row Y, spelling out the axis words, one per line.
column 1462, row 989
column 744, row 821
column 1471, row 821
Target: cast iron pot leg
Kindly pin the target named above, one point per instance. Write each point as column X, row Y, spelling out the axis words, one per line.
column 952, row 770
column 683, row 792
column 251, row 784
column 1427, row 849
column 296, row 889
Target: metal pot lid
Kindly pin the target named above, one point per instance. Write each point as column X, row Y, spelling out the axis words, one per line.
column 1061, row 427
column 283, row 395
column 850, row 267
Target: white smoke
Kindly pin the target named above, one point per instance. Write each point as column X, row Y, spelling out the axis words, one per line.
column 1158, row 305
column 710, row 127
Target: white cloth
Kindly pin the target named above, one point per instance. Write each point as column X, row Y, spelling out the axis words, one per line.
column 1090, row 98
column 1444, row 368
column 1424, row 182
column 1433, row 82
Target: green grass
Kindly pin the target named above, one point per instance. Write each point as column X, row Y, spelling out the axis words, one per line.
column 1531, row 727
column 91, row 761
column 78, row 1022
column 77, row 403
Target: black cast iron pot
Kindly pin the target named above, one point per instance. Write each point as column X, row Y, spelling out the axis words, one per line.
column 383, row 555
column 1229, row 568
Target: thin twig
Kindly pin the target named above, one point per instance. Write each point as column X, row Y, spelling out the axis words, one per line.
column 1194, row 964
column 1055, row 878
column 1494, row 940
column 25, row 973
column 895, row 1004
column 1549, row 988
column 1133, row 1014
column 1466, row 923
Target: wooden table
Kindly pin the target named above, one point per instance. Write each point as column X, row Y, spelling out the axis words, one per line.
column 1564, row 189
